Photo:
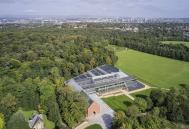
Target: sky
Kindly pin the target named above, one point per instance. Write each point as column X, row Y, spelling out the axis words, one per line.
column 97, row 8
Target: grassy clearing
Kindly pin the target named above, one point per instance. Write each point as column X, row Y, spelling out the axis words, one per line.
column 154, row 70
column 142, row 94
column 176, row 42
column 118, row 102
column 95, row 126
column 28, row 114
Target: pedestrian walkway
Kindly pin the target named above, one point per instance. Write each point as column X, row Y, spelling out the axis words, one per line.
column 104, row 118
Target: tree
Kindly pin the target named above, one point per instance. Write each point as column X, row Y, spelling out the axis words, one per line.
column 151, row 122
column 158, row 97
column 132, row 111
column 92, row 62
column 53, row 112
column 55, row 76
column 8, row 105
column 149, row 103
column 13, row 63
column 119, row 119
column 141, row 104
column 29, row 94
column 47, row 94
column 2, row 121
column 81, row 68
column 156, row 111
column 108, row 60
column 17, row 121
column 72, row 105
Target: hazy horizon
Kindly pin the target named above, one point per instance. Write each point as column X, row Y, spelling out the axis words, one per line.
column 96, row 8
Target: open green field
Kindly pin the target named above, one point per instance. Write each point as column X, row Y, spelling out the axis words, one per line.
column 154, row 70
column 176, row 42
column 118, row 102
column 95, row 126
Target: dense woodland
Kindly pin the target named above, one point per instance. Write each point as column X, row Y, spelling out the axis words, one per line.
column 34, row 66
column 36, row 61
column 160, row 110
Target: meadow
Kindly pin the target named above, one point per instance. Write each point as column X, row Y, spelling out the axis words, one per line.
column 176, row 42
column 154, row 70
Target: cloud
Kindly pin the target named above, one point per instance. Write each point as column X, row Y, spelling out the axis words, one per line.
column 31, row 11
column 15, row 1
column 7, row 1
column 100, row 2
column 114, row 1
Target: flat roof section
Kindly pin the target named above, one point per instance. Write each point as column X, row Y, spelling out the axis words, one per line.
column 109, row 68
column 105, row 76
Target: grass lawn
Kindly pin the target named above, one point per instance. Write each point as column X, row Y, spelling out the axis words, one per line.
column 95, row 126
column 157, row 71
column 176, row 42
column 28, row 114
column 142, row 94
column 118, row 102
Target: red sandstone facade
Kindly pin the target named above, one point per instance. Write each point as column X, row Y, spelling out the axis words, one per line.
column 93, row 109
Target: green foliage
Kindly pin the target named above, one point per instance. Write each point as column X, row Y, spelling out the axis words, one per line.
column 172, row 105
column 17, row 121
column 34, row 63
column 158, row 97
column 2, row 121
column 48, row 124
column 29, row 96
column 8, row 105
column 176, row 42
column 141, row 103
column 132, row 111
column 28, row 114
column 72, row 106
column 46, row 91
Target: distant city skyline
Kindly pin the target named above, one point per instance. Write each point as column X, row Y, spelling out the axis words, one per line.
column 96, row 8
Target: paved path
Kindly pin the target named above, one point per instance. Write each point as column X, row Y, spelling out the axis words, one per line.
column 104, row 118
column 131, row 97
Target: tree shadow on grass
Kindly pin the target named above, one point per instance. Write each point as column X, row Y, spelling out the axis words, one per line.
column 142, row 96
column 182, row 85
column 127, row 103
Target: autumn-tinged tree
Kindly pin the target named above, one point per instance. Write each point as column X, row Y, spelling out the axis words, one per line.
column 2, row 121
